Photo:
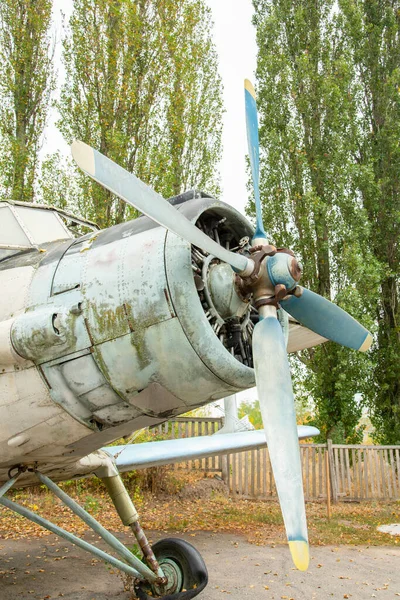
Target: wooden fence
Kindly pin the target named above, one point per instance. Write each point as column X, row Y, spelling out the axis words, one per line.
column 355, row 472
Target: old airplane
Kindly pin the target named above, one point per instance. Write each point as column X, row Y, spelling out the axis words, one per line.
column 121, row 329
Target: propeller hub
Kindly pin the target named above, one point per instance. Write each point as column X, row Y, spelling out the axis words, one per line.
column 284, row 269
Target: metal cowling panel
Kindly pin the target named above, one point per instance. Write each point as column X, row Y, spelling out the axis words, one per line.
column 186, row 302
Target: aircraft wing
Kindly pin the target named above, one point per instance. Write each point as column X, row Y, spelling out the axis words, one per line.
column 301, row 337
column 155, row 454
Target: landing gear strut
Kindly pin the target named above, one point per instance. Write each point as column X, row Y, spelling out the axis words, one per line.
column 180, row 569
column 172, row 569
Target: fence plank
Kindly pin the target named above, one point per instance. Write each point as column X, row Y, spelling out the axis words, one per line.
column 360, row 472
column 367, row 494
column 393, row 472
column 314, row 471
column 347, row 461
column 253, row 474
column 332, row 470
column 377, row 474
column 387, row 471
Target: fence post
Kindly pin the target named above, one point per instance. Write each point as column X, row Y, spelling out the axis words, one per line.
column 224, row 468
column 328, row 487
column 332, row 471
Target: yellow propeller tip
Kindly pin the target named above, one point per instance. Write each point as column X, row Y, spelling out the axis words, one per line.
column 300, row 554
column 366, row 345
column 249, row 87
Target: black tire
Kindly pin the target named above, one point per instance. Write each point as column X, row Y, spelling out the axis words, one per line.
column 191, row 567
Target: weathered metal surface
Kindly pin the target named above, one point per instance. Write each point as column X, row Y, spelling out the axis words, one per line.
column 27, row 408
column 9, row 359
column 188, row 307
column 17, row 283
column 51, row 330
column 221, row 284
column 127, row 292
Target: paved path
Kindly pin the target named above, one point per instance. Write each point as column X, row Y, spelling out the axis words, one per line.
column 45, row 568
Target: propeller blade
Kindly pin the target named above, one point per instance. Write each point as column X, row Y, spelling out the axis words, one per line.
column 325, row 318
column 254, row 152
column 275, row 394
column 132, row 190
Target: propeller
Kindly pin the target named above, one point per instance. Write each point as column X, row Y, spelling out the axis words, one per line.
column 139, row 195
column 275, row 395
column 271, row 365
column 280, row 271
column 327, row 319
column 254, row 153
column 274, row 383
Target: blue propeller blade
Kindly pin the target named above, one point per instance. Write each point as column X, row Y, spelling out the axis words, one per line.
column 254, row 152
column 275, row 394
column 327, row 319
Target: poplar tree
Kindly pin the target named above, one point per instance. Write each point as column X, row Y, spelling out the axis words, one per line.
column 305, row 97
column 373, row 31
column 142, row 88
column 26, row 83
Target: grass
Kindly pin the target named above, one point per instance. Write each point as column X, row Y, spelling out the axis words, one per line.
column 260, row 522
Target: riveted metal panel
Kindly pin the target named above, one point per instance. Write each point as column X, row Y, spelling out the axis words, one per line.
column 9, row 359
column 161, row 354
column 187, row 305
column 15, row 282
column 51, row 330
column 80, row 387
column 68, row 275
column 30, row 419
column 124, row 285
column 40, row 290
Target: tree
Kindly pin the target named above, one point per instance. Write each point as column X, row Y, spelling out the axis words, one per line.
column 373, row 32
column 26, row 83
column 305, row 91
column 253, row 411
column 142, row 87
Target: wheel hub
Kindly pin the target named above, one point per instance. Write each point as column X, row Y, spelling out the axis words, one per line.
column 173, row 574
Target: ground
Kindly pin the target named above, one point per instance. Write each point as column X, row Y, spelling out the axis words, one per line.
column 242, row 542
column 47, row 568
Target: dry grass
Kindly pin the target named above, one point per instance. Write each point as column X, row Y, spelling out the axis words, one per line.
column 260, row 522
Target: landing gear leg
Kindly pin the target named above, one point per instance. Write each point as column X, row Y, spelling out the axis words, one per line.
column 180, row 569
column 129, row 516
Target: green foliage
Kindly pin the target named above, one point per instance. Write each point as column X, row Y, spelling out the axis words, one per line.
column 26, row 82
column 142, row 87
column 372, row 30
column 307, row 136
column 252, row 409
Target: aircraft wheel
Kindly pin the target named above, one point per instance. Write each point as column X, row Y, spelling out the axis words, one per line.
column 184, row 568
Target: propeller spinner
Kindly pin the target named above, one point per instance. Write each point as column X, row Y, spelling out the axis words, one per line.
column 269, row 276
